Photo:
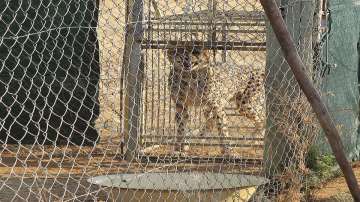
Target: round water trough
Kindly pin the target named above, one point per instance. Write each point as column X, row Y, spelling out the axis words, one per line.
column 194, row 186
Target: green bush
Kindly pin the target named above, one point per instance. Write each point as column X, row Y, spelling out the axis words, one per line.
column 321, row 164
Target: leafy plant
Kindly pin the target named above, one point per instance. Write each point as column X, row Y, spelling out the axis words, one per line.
column 321, row 164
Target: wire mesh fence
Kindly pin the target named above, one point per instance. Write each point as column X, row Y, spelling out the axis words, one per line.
column 175, row 100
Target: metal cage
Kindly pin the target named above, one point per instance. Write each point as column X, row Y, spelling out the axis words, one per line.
column 236, row 36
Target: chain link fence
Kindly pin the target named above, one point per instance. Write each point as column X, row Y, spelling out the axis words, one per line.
column 175, row 100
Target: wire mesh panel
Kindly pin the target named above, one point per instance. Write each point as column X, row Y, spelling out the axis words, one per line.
column 233, row 42
column 49, row 78
column 146, row 100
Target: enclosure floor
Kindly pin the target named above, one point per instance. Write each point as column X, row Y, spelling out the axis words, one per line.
column 60, row 173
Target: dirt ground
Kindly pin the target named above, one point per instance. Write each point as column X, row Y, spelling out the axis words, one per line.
column 335, row 189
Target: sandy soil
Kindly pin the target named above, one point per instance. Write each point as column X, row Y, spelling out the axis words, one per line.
column 336, row 189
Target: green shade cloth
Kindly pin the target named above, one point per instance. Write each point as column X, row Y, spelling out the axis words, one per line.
column 340, row 85
column 49, row 71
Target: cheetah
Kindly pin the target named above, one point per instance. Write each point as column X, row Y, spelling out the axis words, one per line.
column 194, row 81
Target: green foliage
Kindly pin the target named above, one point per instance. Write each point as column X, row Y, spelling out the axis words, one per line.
column 321, row 165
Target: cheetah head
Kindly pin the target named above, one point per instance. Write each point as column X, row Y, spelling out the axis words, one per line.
column 186, row 58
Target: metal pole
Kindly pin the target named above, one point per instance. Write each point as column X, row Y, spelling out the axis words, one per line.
column 212, row 4
column 298, row 68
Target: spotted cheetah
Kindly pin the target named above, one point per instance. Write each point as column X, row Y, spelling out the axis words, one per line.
column 194, row 81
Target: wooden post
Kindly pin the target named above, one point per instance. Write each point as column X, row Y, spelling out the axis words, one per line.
column 298, row 68
column 281, row 88
column 133, row 75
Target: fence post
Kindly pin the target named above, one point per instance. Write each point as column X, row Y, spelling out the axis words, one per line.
column 281, row 151
column 133, row 74
column 298, row 68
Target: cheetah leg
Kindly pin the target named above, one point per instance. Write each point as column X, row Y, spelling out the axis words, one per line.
column 182, row 117
column 209, row 122
column 222, row 126
column 243, row 100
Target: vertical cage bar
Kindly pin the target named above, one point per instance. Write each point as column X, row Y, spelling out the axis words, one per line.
column 212, row 4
